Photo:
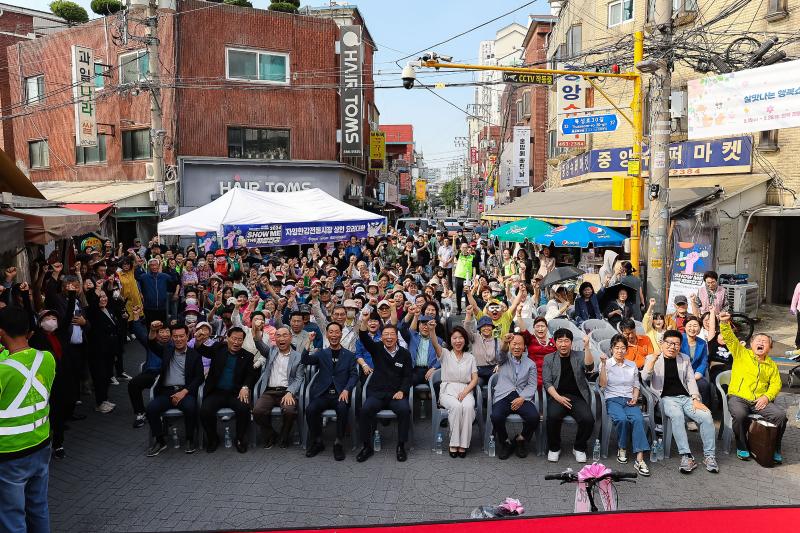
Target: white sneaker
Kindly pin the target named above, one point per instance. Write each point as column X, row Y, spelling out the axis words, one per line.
column 553, row 456
column 104, row 408
column 691, row 425
column 114, row 380
column 110, row 403
column 579, row 456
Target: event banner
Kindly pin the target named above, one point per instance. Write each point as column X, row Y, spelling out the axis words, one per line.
column 690, row 260
column 758, row 99
column 255, row 235
column 522, row 166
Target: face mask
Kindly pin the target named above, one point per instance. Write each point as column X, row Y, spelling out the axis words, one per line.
column 116, row 293
column 190, row 319
column 49, row 324
column 72, row 293
column 351, row 313
column 191, row 301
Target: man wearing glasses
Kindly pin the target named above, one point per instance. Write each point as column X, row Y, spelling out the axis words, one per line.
column 672, row 379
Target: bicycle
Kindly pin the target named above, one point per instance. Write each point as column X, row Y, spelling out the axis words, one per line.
column 593, row 480
column 743, row 326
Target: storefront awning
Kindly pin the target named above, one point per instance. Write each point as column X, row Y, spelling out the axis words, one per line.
column 45, row 224
column 120, row 193
column 12, row 230
column 399, row 207
column 90, row 208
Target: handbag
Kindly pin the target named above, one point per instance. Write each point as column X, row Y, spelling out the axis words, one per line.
column 762, row 439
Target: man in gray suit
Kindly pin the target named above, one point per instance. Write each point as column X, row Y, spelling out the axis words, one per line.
column 513, row 394
column 284, row 374
column 564, row 379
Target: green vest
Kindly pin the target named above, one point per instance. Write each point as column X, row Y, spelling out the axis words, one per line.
column 464, row 267
column 26, row 378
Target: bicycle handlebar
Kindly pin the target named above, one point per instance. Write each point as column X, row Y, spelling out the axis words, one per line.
column 573, row 476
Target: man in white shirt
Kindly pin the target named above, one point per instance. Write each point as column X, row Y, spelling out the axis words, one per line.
column 446, row 257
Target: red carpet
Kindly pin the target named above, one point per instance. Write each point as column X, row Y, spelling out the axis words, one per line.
column 740, row 520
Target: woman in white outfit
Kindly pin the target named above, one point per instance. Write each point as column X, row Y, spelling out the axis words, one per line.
column 459, row 378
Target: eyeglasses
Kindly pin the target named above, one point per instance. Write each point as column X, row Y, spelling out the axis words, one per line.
column 673, row 344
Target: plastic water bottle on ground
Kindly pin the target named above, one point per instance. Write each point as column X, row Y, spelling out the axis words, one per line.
column 797, row 415
column 654, row 452
column 176, row 442
column 660, row 449
column 492, row 448
column 437, row 447
column 228, row 439
column 376, row 441
column 596, row 451
column 422, row 409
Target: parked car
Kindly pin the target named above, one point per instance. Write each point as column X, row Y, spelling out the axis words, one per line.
column 403, row 224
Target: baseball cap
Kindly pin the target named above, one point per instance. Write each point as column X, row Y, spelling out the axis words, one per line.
column 426, row 318
column 351, row 304
column 485, row 321
column 383, row 303
column 286, row 289
column 203, row 324
column 681, row 300
column 304, row 309
column 192, row 308
column 231, row 301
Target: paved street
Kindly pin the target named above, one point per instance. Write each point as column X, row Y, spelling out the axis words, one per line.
column 107, row 484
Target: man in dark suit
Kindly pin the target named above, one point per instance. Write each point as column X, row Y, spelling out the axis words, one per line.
column 332, row 389
column 388, row 387
column 228, row 384
column 181, row 377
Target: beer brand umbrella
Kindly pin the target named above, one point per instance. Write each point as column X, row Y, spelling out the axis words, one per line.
column 519, row 230
column 580, row 234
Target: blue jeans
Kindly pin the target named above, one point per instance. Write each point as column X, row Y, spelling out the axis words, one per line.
column 630, row 423
column 23, row 493
column 677, row 408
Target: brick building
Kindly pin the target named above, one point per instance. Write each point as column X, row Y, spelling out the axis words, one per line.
column 249, row 98
column 400, row 152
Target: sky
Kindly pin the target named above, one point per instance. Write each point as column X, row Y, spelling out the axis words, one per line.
column 402, row 27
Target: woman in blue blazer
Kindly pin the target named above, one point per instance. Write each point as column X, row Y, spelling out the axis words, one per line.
column 697, row 350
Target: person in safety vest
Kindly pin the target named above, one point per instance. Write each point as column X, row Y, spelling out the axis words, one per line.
column 26, row 377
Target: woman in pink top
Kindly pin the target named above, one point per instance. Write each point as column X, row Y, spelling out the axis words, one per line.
column 794, row 309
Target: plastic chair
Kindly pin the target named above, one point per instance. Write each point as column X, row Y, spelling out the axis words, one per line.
column 608, row 425
column 386, row 414
column 726, row 428
column 639, row 327
column 541, row 310
column 568, row 419
column 558, row 323
column 595, row 323
column 167, row 416
column 599, row 335
column 440, row 413
column 276, row 412
column 605, row 346
column 422, row 387
column 225, row 413
column 488, row 429
column 327, row 414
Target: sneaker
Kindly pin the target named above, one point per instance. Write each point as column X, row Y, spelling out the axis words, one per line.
column 110, row 403
column 711, row 464
column 659, row 429
column 104, row 408
column 156, row 448
column 793, row 354
column 579, row 456
column 744, row 455
column 59, row 453
column 124, row 377
column 687, row 464
column 139, row 420
column 778, row 458
column 692, row 426
column 641, row 468
column 190, row 447
column 553, row 456
column 114, row 380
column 622, row 456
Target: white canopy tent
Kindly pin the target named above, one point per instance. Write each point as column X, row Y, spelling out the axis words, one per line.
column 300, row 217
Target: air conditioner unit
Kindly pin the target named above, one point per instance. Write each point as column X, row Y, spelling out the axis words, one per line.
column 743, row 298
column 150, row 170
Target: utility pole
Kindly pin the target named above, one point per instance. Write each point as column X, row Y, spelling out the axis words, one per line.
column 157, row 132
column 658, row 219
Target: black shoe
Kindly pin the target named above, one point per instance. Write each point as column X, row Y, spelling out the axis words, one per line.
column 286, row 441
column 77, row 416
column 269, row 441
column 190, row 447
column 462, row 454
column 521, row 447
column 241, row 446
column 315, row 448
column 365, row 453
column 338, row 452
column 443, row 423
column 453, row 454
column 211, row 447
column 156, row 448
column 401, row 453
column 505, row 450
column 139, row 421
column 59, row 453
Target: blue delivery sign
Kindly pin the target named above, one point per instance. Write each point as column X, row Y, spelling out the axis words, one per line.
column 589, row 124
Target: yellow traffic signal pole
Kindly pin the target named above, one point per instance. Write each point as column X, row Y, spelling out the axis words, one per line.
column 636, row 108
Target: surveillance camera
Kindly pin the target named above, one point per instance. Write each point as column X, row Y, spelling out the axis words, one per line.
column 446, row 59
column 409, row 77
column 648, row 66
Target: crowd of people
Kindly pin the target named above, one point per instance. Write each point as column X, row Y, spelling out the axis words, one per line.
column 355, row 326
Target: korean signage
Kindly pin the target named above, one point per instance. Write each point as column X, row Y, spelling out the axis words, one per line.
column 731, row 155
column 473, row 155
column 351, row 101
column 530, row 79
column 522, row 164
column 390, row 193
column 759, row 99
column 405, row 182
column 690, row 260
column 570, row 101
column 83, row 94
column 255, row 235
column 422, row 189
column 377, row 150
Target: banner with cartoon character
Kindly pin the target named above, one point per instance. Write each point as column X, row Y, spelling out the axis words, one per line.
column 206, row 241
column 690, row 260
column 256, row 235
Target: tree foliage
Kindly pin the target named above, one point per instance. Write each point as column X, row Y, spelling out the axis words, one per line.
column 106, row 7
column 69, row 11
column 449, row 193
column 284, row 6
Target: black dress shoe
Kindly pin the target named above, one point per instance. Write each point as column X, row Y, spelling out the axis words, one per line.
column 59, row 453
column 401, row 453
column 505, row 450
column 364, row 454
column 462, row 454
column 241, row 446
column 521, row 448
column 314, row 449
column 77, row 416
column 453, row 454
column 338, row 452
column 211, row 447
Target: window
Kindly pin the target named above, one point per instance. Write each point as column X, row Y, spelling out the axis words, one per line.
column 777, row 9
column 768, row 141
column 573, row 41
column 39, row 153
column 252, row 65
column 34, row 89
column 99, row 79
column 258, row 143
column 85, row 155
column 681, row 7
column 133, row 66
column 620, row 11
column 135, row 145
column 526, row 104
column 553, row 150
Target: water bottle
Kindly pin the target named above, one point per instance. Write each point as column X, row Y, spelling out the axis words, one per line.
column 491, row 446
column 422, row 409
column 228, row 439
column 176, row 442
column 376, row 441
column 596, row 451
column 660, row 449
column 797, row 415
column 437, row 447
column 654, row 452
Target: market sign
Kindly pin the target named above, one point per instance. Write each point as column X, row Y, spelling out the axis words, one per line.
column 351, row 102
column 83, row 96
column 731, row 155
column 256, row 235
column 377, row 150
column 758, row 99
column 570, row 102
column 530, row 79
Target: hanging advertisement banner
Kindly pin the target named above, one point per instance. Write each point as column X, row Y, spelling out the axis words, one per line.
column 473, row 155
column 522, row 164
column 570, row 102
column 377, row 150
column 422, row 189
column 758, row 99
column 255, row 235
column 690, row 260
column 83, row 94
column 351, row 103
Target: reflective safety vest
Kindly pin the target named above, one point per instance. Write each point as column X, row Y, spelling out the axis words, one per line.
column 26, row 378
column 464, row 267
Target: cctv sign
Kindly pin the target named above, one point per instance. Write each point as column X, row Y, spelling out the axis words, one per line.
column 351, row 102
